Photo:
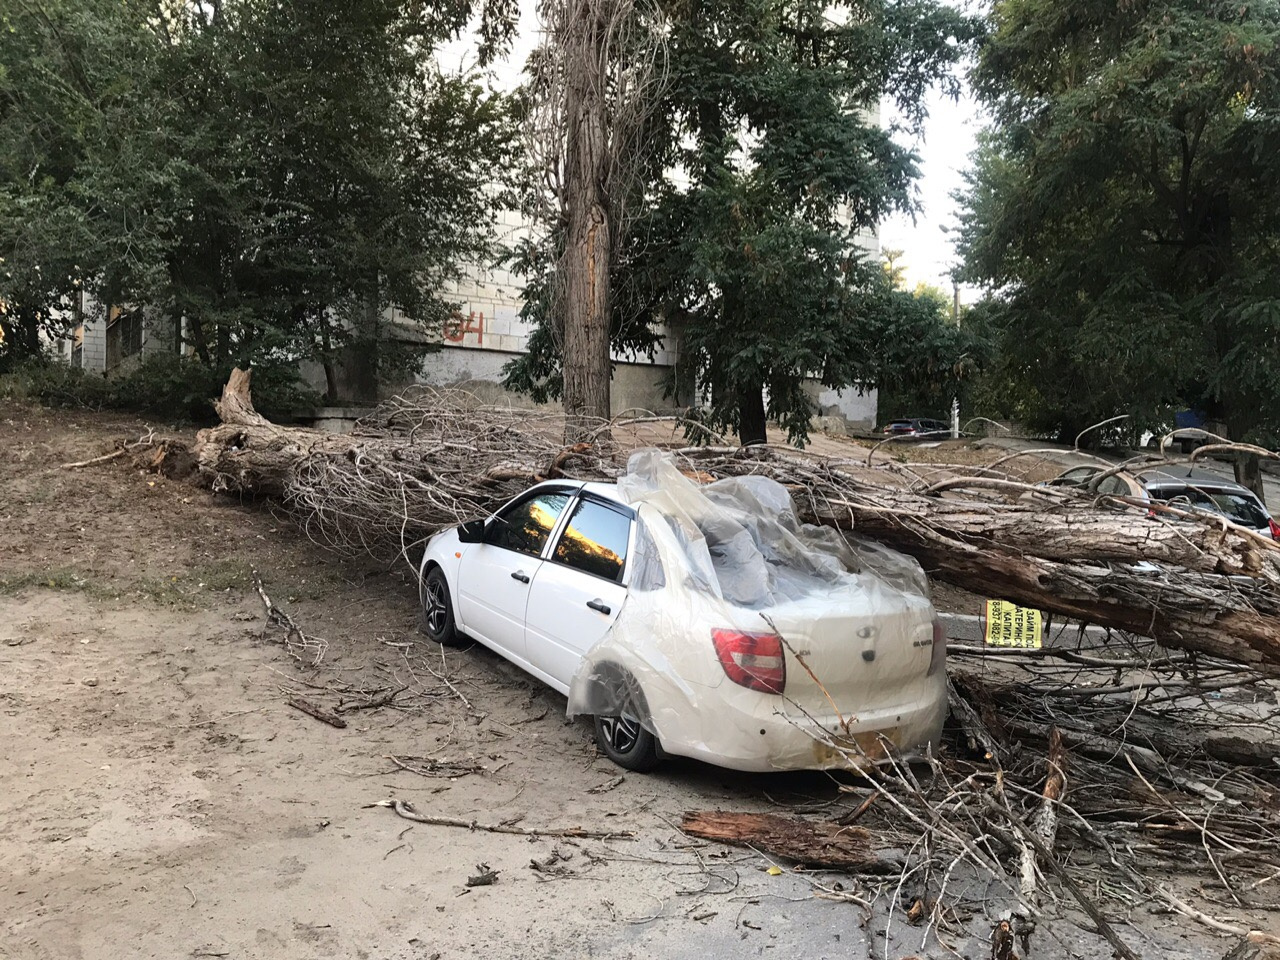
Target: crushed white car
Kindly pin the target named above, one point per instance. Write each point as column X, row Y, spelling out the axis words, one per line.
column 698, row 620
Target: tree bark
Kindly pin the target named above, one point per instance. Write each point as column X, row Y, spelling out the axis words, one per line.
column 813, row 843
column 1248, row 469
column 586, row 295
column 1044, row 822
column 752, row 425
column 328, row 363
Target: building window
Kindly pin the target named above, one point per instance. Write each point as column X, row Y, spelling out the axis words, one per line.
column 124, row 335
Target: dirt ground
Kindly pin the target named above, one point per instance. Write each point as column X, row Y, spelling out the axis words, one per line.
column 159, row 797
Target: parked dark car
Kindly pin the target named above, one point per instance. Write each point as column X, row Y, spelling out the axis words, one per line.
column 917, row 426
column 1184, row 487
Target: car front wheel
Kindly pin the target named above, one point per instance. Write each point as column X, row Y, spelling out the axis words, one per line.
column 435, row 618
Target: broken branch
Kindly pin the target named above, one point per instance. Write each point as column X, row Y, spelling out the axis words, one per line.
column 405, row 809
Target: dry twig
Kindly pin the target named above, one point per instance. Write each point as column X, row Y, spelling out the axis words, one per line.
column 405, row 809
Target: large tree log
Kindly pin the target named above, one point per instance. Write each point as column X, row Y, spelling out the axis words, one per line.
column 426, row 463
column 1189, row 585
column 808, row 842
column 247, row 453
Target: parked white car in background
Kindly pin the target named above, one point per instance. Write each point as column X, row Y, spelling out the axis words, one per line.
column 700, row 621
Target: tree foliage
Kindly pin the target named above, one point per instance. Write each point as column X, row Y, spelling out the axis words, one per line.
column 1125, row 209
column 73, row 109
column 767, row 167
column 274, row 175
column 933, row 357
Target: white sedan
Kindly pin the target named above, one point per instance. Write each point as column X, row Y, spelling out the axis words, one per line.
column 697, row 621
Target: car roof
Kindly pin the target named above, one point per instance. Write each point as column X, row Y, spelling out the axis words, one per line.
column 606, row 491
column 1178, row 476
column 1181, row 476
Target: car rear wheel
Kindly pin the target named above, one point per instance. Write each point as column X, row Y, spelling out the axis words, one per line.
column 622, row 736
column 435, row 615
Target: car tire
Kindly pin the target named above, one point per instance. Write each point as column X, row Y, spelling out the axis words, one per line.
column 435, row 612
column 622, row 737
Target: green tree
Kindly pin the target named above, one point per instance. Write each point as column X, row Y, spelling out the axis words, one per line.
column 1124, row 209
column 269, row 176
column 361, row 179
column 894, row 269
column 768, row 164
column 76, row 108
column 933, row 357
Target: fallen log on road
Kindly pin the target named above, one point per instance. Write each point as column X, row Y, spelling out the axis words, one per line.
column 812, row 843
column 427, row 460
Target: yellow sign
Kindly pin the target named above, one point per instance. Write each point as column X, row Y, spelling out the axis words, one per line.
column 1009, row 625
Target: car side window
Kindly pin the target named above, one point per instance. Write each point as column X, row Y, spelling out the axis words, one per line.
column 595, row 540
column 1076, row 477
column 1114, row 486
column 525, row 526
column 646, row 564
column 1240, row 508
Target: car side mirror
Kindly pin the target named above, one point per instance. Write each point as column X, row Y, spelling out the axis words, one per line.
column 472, row 531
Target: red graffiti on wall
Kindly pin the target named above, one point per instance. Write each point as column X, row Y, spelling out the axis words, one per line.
column 458, row 326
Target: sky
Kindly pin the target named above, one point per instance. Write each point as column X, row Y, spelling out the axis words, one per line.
column 947, row 140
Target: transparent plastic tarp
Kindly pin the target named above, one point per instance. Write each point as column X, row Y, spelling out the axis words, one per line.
column 730, row 559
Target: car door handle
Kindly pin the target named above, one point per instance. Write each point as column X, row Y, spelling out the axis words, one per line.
column 521, row 576
column 599, row 605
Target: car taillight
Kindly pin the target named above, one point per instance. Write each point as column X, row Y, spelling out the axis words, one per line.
column 938, row 656
column 1275, row 530
column 752, row 660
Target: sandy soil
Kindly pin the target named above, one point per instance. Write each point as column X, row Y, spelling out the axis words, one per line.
column 160, row 798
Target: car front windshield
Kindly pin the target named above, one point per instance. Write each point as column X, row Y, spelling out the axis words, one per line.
column 1239, row 508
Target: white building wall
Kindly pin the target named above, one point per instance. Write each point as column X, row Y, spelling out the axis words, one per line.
column 848, row 409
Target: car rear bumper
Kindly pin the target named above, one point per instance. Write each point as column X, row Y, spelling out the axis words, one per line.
column 755, row 734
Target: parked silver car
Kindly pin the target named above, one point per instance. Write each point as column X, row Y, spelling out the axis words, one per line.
column 1180, row 486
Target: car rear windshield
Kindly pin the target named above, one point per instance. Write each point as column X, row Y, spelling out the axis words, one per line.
column 1241, row 508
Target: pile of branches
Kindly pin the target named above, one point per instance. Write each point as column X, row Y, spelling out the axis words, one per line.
column 432, row 458
column 1093, row 783
column 1105, row 781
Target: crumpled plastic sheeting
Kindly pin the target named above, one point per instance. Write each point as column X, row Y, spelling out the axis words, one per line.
column 743, row 542
column 733, row 555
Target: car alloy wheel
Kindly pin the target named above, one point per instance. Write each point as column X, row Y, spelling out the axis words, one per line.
column 622, row 732
column 435, row 613
column 437, row 607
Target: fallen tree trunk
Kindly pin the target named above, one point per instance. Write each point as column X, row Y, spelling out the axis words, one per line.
column 1215, row 614
column 1189, row 585
column 427, row 461
column 810, row 843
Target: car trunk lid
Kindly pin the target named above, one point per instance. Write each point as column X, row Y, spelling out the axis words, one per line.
column 863, row 646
